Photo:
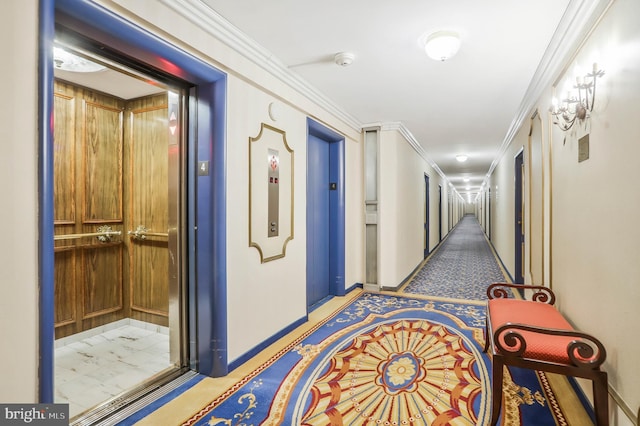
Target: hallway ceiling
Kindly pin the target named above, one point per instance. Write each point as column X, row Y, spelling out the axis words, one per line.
column 464, row 105
column 468, row 104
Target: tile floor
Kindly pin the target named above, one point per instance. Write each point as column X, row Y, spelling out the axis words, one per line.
column 96, row 365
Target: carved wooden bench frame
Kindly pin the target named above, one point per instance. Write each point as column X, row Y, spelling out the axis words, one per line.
column 508, row 347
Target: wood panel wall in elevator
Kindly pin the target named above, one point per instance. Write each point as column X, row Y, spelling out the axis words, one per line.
column 94, row 170
column 146, row 130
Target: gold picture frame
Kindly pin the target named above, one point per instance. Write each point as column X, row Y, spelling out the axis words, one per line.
column 271, row 200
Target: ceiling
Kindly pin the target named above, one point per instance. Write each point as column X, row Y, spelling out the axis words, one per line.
column 465, row 105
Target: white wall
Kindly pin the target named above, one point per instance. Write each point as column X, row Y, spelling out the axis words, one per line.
column 19, row 212
column 592, row 246
column 596, row 256
column 402, row 208
column 354, row 211
column 271, row 294
column 502, row 187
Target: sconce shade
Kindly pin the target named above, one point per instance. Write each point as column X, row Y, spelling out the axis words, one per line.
column 442, row 45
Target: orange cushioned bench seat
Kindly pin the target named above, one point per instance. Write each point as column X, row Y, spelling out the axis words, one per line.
column 533, row 334
column 539, row 346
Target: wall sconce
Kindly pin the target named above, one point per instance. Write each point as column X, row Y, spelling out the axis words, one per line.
column 572, row 107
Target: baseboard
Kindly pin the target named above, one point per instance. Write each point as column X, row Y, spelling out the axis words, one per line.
column 502, row 265
column 353, row 287
column 264, row 344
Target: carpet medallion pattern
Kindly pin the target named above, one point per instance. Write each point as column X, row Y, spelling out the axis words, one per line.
column 383, row 360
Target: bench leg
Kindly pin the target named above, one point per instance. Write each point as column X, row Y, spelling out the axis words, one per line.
column 486, row 336
column 496, row 393
column 601, row 400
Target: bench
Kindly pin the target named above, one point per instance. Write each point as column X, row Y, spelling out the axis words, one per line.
column 533, row 334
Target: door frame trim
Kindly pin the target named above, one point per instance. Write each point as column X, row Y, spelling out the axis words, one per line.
column 106, row 27
column 519, row 199
column 336, row 205
column 427, row 214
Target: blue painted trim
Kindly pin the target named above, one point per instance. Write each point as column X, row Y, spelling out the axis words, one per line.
column 45, row 200
column 104, row 26
column 353, row 287
column 211, row 270
column 319, row 303
column 208, row 289
column 253, row 352
column 337, row 217
column 337, row 203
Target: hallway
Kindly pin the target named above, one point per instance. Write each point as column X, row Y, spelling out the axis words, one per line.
column 553, row 199
column 464, row 254
column 461, row 267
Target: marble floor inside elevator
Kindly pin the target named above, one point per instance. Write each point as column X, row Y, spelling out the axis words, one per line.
column 96, row 365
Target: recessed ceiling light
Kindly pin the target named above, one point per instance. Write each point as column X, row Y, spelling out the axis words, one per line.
column 465, row 180
column 461, row 158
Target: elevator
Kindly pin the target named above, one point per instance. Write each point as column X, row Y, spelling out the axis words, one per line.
column 120, row 290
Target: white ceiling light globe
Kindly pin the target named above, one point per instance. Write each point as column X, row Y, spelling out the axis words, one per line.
column 442, row 45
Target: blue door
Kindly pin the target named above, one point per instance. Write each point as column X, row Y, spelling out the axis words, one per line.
column 318, row 223
column 519, row 219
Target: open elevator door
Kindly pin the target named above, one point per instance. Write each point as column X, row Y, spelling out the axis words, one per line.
column 119, row 208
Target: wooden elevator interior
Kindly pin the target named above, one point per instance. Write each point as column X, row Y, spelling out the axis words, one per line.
column 110, row 170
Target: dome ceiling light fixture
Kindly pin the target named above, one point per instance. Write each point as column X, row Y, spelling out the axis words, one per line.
column 67, row 61
column 442, row 45
column 461, row 158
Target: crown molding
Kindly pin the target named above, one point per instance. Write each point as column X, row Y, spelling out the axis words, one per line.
column 577, row 22
column 212, row 23
column 411, row 140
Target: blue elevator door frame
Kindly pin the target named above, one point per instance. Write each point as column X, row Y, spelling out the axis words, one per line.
column 318, row 221
column 207, row 255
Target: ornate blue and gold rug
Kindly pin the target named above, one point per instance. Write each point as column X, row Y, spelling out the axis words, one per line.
column 383, row 359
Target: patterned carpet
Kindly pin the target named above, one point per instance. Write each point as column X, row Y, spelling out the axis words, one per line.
column 460, row 268
column 388, row 359
column 378, row 360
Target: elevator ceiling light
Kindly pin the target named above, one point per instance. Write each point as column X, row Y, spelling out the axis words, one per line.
column 442, row 45
column 67, row 61
column 461, row 158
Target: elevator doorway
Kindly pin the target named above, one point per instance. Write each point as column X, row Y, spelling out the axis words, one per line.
column 119, row 286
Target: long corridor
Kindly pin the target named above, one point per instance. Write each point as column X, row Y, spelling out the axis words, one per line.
column 461, row 267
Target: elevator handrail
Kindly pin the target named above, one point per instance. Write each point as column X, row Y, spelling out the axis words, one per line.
column 141, row 233
column 104, row 234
